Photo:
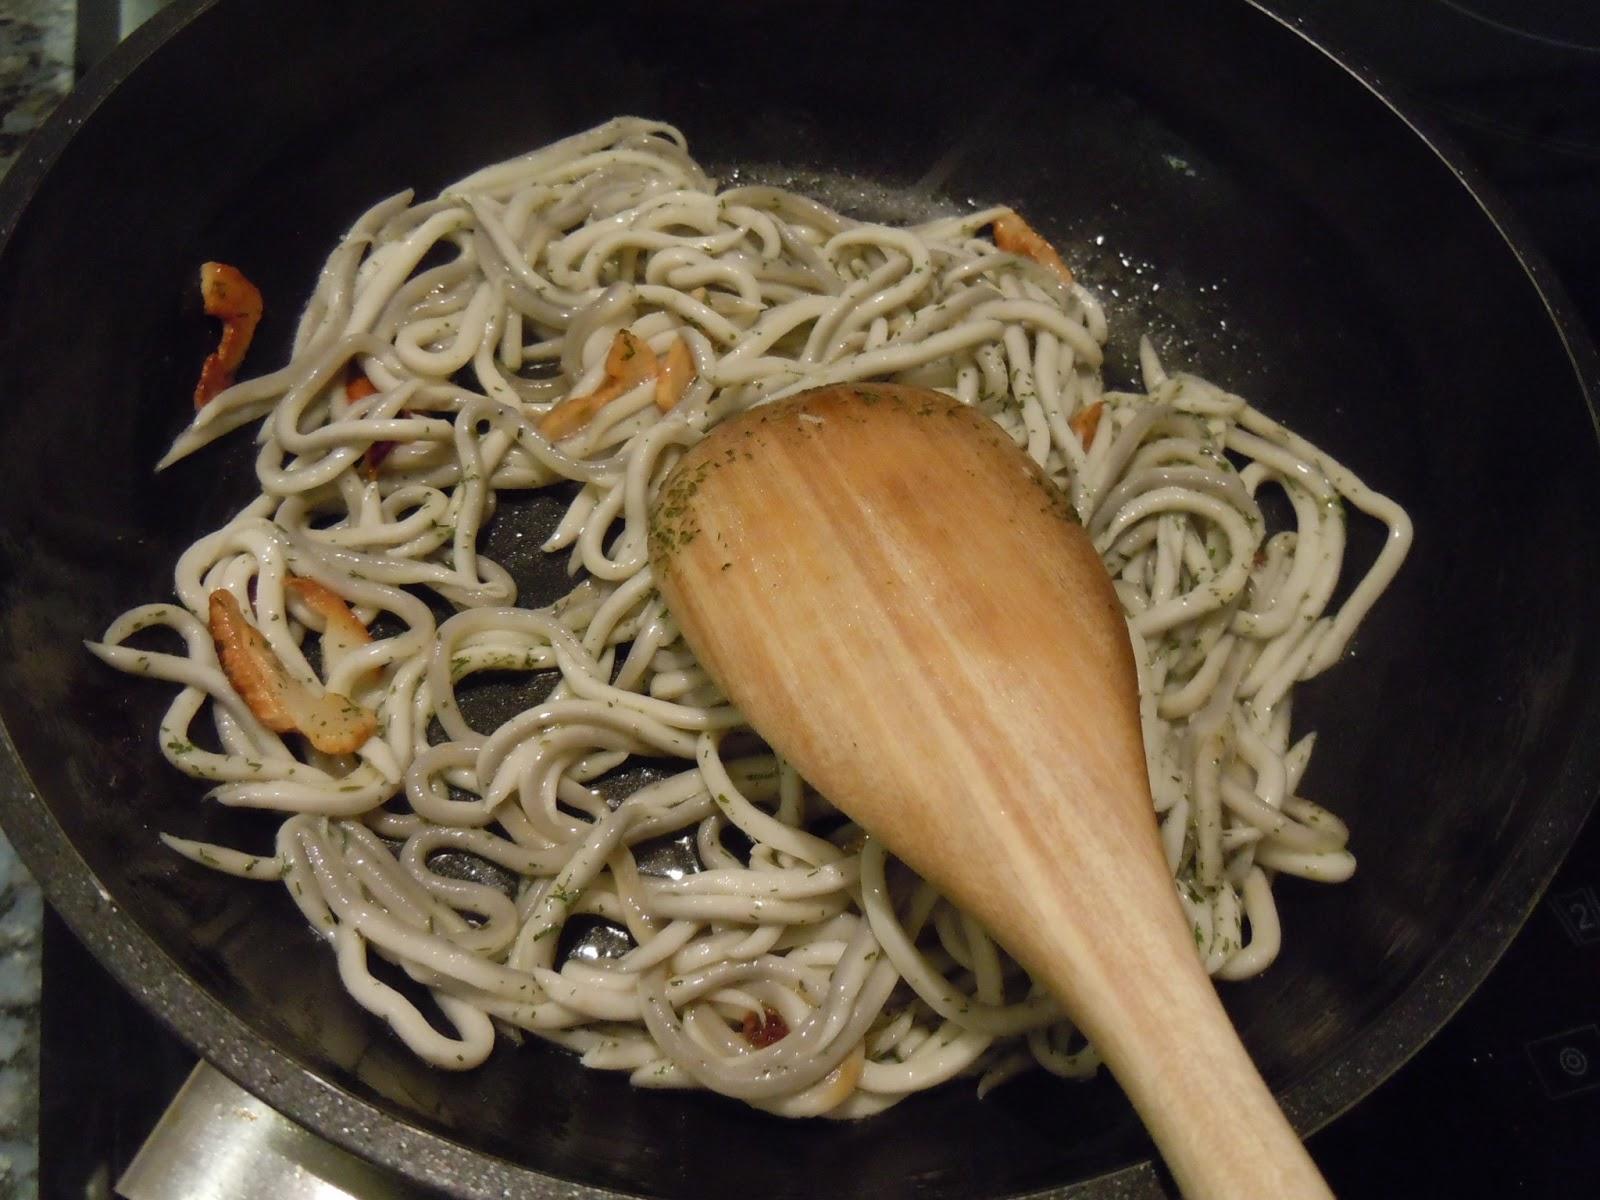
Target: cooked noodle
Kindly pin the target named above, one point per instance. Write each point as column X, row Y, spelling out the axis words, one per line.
column 474, row 315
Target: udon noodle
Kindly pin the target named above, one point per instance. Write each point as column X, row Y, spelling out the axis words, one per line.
column 781, row 957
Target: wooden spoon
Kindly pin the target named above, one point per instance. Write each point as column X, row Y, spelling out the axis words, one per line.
column 904, row 607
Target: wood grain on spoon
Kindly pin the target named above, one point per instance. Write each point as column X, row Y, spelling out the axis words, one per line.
column 905, row 608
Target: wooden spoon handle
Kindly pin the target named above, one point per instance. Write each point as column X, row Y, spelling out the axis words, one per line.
column 1232, row 1142
column 1174, row 1051
column 1092, row 913
column 905, row 609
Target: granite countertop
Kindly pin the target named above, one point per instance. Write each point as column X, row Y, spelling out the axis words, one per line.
column 36, row 42
column 36, row 70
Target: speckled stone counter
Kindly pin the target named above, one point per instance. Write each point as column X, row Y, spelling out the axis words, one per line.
column 36, row 40
column 20, row 915
column 36, row 44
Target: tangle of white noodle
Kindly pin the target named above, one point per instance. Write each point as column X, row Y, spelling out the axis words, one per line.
column 885, row 989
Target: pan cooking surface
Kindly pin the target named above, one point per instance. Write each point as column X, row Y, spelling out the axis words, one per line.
column 1223, row 186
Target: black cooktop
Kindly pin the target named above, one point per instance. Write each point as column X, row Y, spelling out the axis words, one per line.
column 1505, row 1101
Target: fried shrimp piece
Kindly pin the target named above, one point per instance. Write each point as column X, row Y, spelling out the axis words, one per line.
column 1086, row 422
column 332, row 723
column 236, row 302
column 675, row 375
column 356, row 388
column 629, row 363
column 1015, row 236
column 342, row 633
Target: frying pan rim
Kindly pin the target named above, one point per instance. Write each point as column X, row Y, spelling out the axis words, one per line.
column 358, row 1125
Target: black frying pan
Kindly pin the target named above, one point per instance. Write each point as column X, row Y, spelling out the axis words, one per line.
column 1311, row 249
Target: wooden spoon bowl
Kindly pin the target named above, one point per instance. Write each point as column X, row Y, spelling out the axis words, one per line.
column 908, row 611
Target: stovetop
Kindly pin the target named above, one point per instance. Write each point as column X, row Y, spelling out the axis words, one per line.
column 1505, row 1101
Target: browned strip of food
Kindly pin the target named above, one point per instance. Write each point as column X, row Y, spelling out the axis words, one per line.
column 332, row 723
column 573, row 413
column 359, row 387
column 762, row 1031
column 675, row 375
column 342, row 634
column 1086, row 422
column 236, row 302
column 249, row 663
column 338, row 621
column 1016, row 236
column 629, row 362
column 375, row 455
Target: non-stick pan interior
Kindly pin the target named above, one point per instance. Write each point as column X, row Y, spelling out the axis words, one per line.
column 1219, row 181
